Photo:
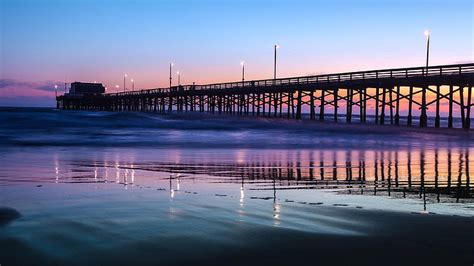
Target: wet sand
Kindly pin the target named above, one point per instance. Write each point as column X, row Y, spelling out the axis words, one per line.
column 213, row 224
column 257, row 245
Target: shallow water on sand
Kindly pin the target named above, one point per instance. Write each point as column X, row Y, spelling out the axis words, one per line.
column 195, row 194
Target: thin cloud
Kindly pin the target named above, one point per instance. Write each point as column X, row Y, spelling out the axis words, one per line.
column 18, row 87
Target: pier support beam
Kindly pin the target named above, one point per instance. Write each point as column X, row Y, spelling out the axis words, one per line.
column 437, row 118
column 335, row 104
column 349, row 105
column 397, row 107
column 377, row 94
column 382, row 110
column 468, row 108
column 450, row 114
column 390, row 99
column 299, row 103
column 361, row 105
column 321, row 106
column 423, row 115
column 410, row 106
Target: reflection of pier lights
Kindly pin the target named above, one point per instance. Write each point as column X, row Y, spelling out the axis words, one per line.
column 396, row 169
column 177, row 181
column 390, row 167
column 276, row 205
column 468, row 177
column 117, row 172
column 56, row 168
column 242, row 195
column 459, row 183
column 376, row 171
column 95, row 171
column 422, row 178
column 422, row 173
column 172, row 190
column 436, row 170
column 125, row 178
column 106, row 169
column 449, row 171
column 276, row 213
column 171, row 186
column 389, row 174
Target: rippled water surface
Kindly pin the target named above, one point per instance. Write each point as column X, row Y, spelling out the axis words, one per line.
column 133, row 188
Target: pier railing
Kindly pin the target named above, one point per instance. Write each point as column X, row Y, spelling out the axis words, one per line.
column 396, row 73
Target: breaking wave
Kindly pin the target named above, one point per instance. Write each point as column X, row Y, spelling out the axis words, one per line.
column 50, row 127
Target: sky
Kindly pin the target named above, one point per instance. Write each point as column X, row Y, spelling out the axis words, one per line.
column 49, row 42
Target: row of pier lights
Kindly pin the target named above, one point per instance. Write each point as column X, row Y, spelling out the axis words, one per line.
column 117, row 87
column 427, row 34
column 423, row 117
column 242, row 64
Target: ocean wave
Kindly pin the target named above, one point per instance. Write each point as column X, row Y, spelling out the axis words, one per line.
column 50, row 127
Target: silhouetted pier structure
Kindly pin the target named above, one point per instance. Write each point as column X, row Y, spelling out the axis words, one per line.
column 381, row 93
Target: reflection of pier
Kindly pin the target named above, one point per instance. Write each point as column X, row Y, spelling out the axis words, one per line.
column 393, row 96
column 436, row 173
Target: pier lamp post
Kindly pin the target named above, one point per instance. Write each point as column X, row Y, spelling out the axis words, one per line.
column 242, row 63
column 423, row 115
column 275, row 47
column 171, row 77
column 427, row 35
column 56, row 90
column 124, row 77
column 117, row 87
column 179, row 78
column 133, row 84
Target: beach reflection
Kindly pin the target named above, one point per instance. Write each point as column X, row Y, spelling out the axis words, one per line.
column 203, row 194
column 440, row 174
column 433, row 175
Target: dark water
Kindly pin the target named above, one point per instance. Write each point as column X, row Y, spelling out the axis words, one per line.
column 135, row 188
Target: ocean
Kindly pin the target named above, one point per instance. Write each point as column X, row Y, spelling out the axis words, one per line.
column 104, row 188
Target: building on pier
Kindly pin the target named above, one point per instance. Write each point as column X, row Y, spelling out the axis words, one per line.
column 83, row 88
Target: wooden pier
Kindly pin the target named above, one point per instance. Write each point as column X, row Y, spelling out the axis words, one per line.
column 402, row 96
